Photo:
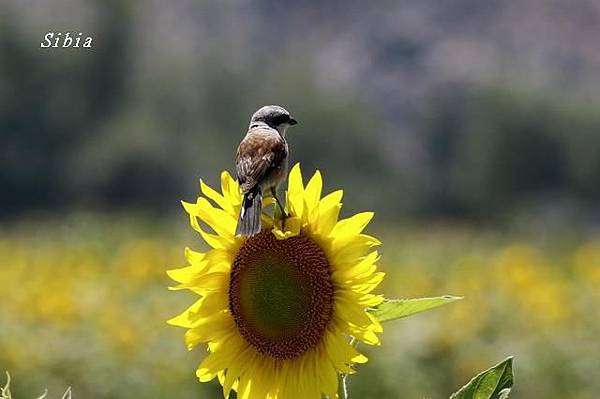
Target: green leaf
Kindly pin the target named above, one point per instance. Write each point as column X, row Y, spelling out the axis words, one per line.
column 392, row 309
column 493, row 383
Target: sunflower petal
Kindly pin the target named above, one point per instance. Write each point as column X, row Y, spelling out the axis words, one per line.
column 332, row 199
column 347, row 271
column 352, row 247
column 292, row 226
column 337, row 351
column 327, row 219
column 185, row 319
column 214, row 240
column 206, row 283
column 197, row 315
column 328, row 379
column 295, row 192
column 219, row 199
column 231, row 190
column 193, row 257
column 228, row 351
column 219, row 220
column 313, row 190
column 353, row 225
column 350, row 312
column 218, row 328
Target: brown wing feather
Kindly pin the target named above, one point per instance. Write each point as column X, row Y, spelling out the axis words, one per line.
column 258, row 155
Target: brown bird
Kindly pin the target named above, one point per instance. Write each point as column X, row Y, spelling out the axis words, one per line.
column 261, row 163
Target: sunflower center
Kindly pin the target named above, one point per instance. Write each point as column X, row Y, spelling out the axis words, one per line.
column 281, row 294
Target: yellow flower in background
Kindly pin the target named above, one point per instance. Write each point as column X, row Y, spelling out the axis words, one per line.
column 537, row 286
column 277, row 310
column 586, row 262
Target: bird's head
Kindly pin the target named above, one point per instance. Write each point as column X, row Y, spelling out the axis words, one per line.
column 274, row 116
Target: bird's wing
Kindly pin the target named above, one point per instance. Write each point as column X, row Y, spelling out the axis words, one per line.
column 258, row 154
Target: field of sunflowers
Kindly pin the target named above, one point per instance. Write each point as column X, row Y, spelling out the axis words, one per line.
column 85, row 304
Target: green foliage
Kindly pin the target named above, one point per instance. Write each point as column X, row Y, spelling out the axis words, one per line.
column 392, row 309
column 493, row 383
column 52, row 104
column 124, row 126
column 494, row 150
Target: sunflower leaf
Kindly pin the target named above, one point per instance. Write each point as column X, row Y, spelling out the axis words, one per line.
column 493, row 383
column 392, row 309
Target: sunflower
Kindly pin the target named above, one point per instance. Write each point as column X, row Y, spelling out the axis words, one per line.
column 280, row 311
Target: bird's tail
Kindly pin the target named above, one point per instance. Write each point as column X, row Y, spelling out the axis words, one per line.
column 249, row 220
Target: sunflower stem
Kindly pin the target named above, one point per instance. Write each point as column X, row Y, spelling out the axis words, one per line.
column 344, row 379
column 344, row 387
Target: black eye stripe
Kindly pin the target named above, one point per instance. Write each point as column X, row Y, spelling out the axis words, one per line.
column 279, row 119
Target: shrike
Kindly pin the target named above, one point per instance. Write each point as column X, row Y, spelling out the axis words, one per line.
column 261, row 163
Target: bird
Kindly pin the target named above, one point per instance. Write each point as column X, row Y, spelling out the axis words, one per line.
column 261, row 164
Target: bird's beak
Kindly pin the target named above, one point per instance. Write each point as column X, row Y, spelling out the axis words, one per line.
column 293, row 121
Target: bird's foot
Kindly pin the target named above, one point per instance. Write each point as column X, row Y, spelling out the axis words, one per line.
column 281, row 215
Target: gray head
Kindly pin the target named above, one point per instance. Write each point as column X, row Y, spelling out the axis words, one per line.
column 274, row 116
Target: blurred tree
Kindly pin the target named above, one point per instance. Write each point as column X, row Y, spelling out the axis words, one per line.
column 130, row 126
column 492, row 150
column 51, row 103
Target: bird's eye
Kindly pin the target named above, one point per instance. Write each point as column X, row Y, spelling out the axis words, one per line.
column 279, row 119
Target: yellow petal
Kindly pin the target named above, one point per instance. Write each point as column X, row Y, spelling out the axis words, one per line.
column 376, row 326
column 331, row 199
column 231, row 378
column 206, row 283
column 370, row 300
column 295, row 192
column 193, row 257
column 292, row 227
column 235, row 369
column 216, row 197
column 218, row 327
column 189, row 207
column 344, row 272
column 336, row 348
column 245, row 387
column 327, row 219
column 214, row 240
column 184, row 274
column 352, row 247
column 215, row 261
column 215, row 257
column 196, row 316
column 187, row 317
column 210, row 366
column 367, row 285
column 229, row 350
column 309, row 376
column 231, row 190
column 350, row 311
column 328, row 378
column 258, row 380
column 219, row 220
column 366, row 335
column 313, row 190
column 353, row 225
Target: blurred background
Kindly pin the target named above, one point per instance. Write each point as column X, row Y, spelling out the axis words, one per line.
column 472, row 129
